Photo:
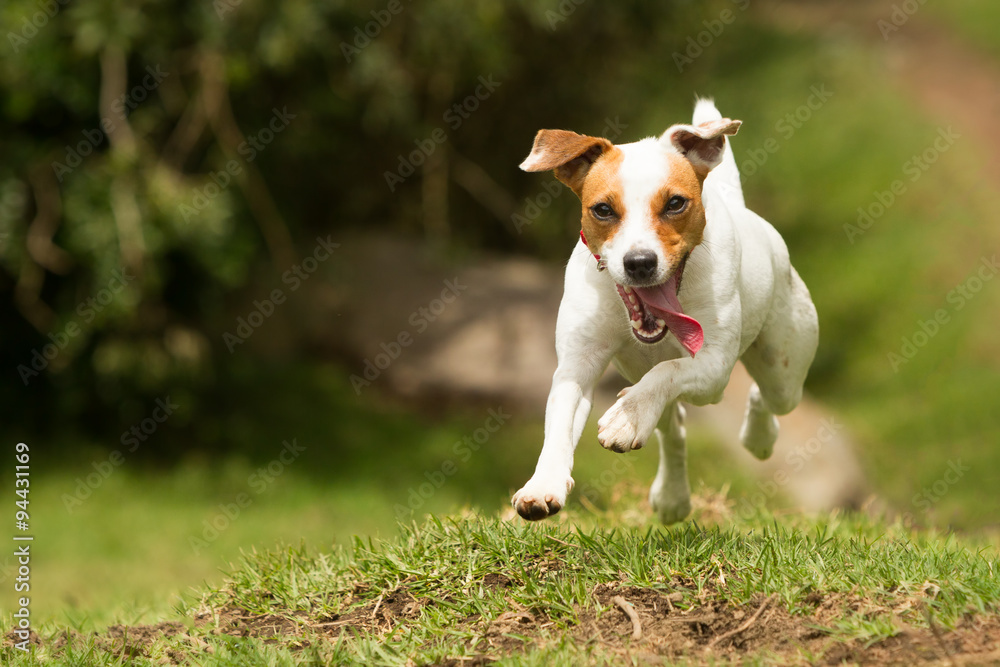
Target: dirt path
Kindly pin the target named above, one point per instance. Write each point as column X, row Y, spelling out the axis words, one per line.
column 952, row 81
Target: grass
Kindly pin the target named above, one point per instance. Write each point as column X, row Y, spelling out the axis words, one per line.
column 447, row 584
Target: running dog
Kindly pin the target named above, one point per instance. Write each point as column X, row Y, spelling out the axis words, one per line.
column 674, row 280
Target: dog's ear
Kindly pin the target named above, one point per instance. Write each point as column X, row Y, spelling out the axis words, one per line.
column 702, row 144
column 568, row 153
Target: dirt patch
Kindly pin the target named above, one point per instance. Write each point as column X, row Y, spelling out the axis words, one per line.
column 674, row 621
column 713, row 628
column 376, row 617
column 494, row 581
column 121, row 641
column 716, row 630
column 973, row 642
column 675, row 624
column 502, row 636
column 12, row 638
column 237, row 622
column 133, row 641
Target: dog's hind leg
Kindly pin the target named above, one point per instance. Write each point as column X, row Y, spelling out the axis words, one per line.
column 670, row 494
column 760, row 427
column 778, row 361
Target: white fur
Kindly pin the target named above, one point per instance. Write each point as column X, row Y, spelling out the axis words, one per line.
column 726, row 176
column 643, row 172
column 738, row 283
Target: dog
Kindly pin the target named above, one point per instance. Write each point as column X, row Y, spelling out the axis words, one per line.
column 673, row 281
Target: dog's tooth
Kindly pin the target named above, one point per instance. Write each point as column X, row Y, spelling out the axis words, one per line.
column 631, row 299
column 661, row 323
column 636, row 325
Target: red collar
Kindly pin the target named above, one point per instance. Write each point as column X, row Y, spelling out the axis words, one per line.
column 583, row 239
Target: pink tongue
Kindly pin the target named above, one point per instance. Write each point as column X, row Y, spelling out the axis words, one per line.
column 662, row 301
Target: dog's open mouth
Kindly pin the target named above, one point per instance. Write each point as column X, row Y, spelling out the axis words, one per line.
column 655, row 310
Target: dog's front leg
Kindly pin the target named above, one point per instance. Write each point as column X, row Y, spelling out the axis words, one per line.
column 630, row 422
column 566, row 412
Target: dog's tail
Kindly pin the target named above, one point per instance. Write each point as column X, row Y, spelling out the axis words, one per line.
column 726, row 175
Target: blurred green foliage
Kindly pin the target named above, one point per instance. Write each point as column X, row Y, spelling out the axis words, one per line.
column 138, row 137
column 975, row 20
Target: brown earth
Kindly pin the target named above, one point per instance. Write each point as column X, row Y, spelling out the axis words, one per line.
column 674, row 624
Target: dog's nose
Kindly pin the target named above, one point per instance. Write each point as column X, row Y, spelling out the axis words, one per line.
column 640, row 264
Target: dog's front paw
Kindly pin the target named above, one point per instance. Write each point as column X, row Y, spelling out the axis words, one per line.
column 540, row 498
column 629, row 423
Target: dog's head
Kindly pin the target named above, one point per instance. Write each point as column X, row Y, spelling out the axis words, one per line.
column 642, row 209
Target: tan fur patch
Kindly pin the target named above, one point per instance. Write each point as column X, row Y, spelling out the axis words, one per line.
column 679, row 233
column 569, row 154
column 603, row 184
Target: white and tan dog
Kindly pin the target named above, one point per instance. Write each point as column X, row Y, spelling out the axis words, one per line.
column 675, row 281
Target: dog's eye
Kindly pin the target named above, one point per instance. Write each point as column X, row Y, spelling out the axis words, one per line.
column 675, row 204
column 602, row 211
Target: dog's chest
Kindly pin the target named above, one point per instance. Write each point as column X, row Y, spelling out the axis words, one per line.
column 635, row 359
